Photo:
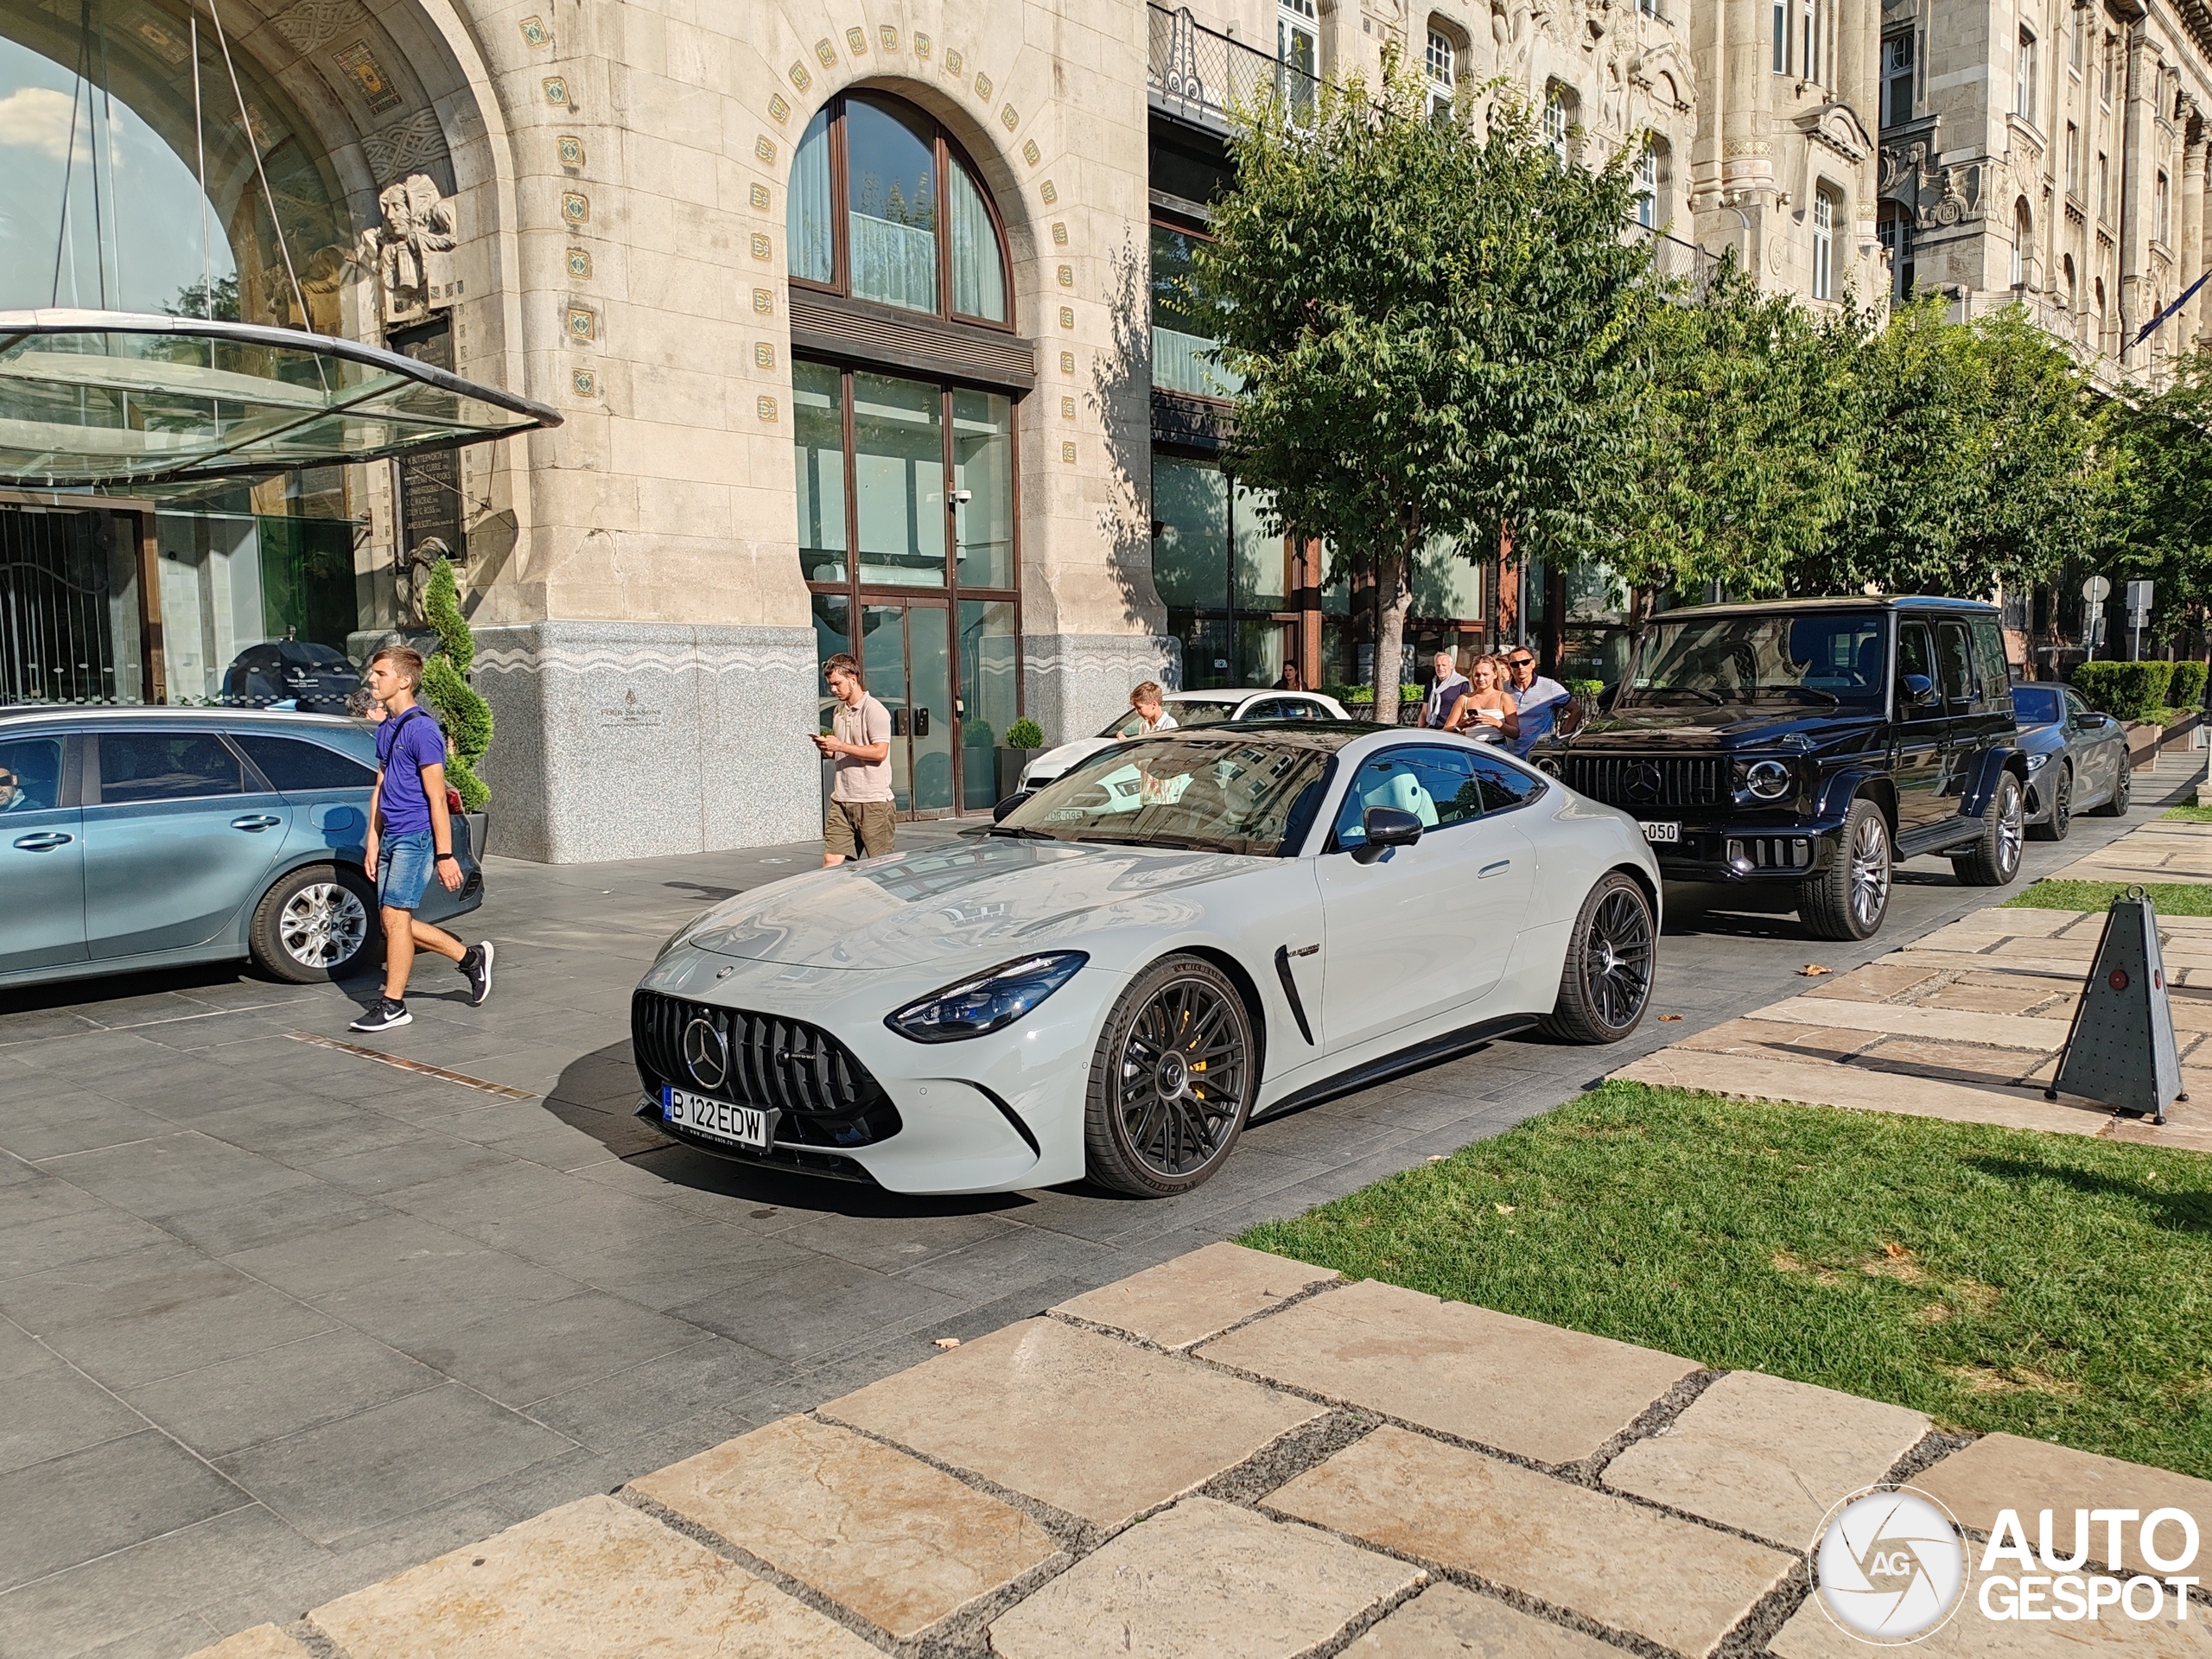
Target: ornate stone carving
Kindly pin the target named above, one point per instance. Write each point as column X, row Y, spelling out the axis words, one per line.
column 411, row 255
column 1837, row 127
column 409, row 145
column 313, row 24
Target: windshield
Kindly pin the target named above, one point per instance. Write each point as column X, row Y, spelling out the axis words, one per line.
column 1188, row 713
column 1821, row 660
column 1258, row 798
column 2036, row 705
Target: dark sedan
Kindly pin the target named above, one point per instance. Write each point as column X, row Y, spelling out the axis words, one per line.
column 2077, row 758
column 292, row 674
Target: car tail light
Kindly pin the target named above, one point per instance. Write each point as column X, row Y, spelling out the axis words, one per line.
column 453, row 800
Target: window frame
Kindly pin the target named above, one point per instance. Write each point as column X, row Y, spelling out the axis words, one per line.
column 93, row 784
column 1648, row 184
column 944, row 150
column 1781, row 23
column 1825, row 209
column 1809, row 49
column 1899, row 66
column 1559, row 122
column 1336, row 842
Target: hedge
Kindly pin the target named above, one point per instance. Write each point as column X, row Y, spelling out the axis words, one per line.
column 2124, row 690
column 2186, row 691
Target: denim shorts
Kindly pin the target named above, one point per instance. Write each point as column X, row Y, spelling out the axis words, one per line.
column 403, row 866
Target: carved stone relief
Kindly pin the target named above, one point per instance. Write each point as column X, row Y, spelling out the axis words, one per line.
column 413, row 144
column 409, row 256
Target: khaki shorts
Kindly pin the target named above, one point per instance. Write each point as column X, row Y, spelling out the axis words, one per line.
column 870, row 820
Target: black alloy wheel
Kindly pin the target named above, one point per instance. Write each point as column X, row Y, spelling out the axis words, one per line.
column 1172, row 1081
column 1605, row 983
column 2062, row 807
column 2123, row 790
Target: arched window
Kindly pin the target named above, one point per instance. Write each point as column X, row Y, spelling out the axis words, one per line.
column 1443, row 68
column 1824, row 218
column 1559, row 117
column 916, row 230
column 1649, row 173
column 1895, row 228
column 2097, row 292
column 2023, row 231
column 2072, row 295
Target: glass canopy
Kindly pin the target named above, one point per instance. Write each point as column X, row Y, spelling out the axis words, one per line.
column 105, row 397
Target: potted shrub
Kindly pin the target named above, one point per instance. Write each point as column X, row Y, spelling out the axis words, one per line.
column 1025, row 741
column 464, row 716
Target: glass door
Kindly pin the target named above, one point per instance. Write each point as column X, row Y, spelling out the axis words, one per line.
column 907, row 659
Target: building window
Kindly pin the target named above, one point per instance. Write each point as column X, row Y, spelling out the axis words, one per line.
column 2024, row 88
column 1297, row 37
column 2072, row 295
column 1896, row 79
column 2161, row 199
column 916, row 230
column 2073, row 161
column 1810, row 27
column 2097, row 288
column 2023, row 231
column 1647, row 186
column 2104, row 71
column 1781, row 36
column 2077, row 30
column 1824, row 214
column 2104, row 188
column 1443, row 67
column 1183, row 356
column 1896, row 232
column 1558, row 119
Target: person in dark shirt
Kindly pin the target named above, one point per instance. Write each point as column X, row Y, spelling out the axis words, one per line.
column 410, row 839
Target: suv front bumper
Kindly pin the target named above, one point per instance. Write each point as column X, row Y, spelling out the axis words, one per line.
column 1749, row 854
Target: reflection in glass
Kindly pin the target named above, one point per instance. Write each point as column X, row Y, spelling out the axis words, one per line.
column 833, row 632
column 1183, row 357
column 891, row 205
column 1205, row 652
column 883, row 665
column 982, row 465
column 987, row 690
column 1260, row 650
column 1261, row 559
column 809, row 222
column 1190, row 555
column 929, row 655
column 1448, row 585
column 978, row 278
column 898, row 480
column 818, row 436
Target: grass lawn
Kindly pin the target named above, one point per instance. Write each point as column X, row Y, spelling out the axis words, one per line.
column 2170, row 898
column 2187, row 814
column 2055, row 1286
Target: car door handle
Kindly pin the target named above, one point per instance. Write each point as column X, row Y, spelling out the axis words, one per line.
column 255, row 821
column 1498, row 869
column 45, row 842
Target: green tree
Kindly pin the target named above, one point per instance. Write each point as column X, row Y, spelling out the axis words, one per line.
column 2162, row 495
column 464, row 716
column 1440, row 331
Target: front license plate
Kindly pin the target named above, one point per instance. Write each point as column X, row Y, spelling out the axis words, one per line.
column 1668, row 833
column 718, row 1120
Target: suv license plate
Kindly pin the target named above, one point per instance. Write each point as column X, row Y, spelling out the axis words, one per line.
column 718, row 1120
column 1668, row 833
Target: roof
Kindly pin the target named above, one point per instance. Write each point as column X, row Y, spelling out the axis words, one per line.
column 1326, row 735
column 1240, row 693
column 1864, row 602
column 76, row 714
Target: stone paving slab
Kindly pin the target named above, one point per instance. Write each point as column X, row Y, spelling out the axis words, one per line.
column 1906, row 1019
column 593, row 1580
column 1203, row 1578
column 2003, row 1472
column 1811, row 1634
column 1627, row 1567
column 1767, row 1456
column 1747, row 1078
column 1532, row 1389
column 1021, row 1408
column 1182, row 1302
column 898, row 1542
column 262, row 1641
column 1446, row 1619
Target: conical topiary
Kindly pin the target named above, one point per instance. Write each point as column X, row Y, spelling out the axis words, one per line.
column 464, row 716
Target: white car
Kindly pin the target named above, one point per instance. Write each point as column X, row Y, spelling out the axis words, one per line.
column 1088, row 990
column 1190, row 710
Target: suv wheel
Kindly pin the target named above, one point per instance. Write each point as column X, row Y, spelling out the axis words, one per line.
column 1606, row 982
column 1994, row 858
column 2123, row 789
column 1849, row 898
column 2062, row 808
column 317, row 925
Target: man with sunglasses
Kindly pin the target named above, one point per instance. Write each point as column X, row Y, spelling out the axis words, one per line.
column 14, row 797
column 1537, row 699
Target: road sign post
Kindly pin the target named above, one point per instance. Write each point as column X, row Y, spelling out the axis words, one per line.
column 2095, row 592
column 2138, row 612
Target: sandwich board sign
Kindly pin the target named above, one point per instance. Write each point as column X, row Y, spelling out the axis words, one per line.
column 2121, row 1048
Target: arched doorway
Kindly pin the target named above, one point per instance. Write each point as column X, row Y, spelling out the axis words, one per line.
column 905, row 437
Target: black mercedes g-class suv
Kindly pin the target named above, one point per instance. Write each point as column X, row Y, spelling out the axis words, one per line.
column 1809, row 743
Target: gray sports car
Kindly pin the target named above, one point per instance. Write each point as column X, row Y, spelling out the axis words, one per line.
column 2077, row 758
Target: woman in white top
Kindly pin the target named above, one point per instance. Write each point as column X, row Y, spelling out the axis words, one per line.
column 1151, row 716
column 1488, row 707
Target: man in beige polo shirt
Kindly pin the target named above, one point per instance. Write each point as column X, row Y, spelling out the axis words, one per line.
column 859, row 822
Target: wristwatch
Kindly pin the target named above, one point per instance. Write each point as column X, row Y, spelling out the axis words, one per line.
column 441, row 858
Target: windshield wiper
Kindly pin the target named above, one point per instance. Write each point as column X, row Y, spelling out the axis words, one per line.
column 1020, row 832
column 1712, row 697
column 1829, row 697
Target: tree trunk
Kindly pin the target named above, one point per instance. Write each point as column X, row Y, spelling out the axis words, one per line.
column 1390, row 630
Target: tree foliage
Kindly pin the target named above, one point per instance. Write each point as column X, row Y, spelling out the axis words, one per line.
column 1440, row 331
column 2162, row 458
column 463, row 712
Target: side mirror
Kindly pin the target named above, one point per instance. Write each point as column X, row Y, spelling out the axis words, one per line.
column 1919, row 690
column 1004, row 808
column 1386, row 826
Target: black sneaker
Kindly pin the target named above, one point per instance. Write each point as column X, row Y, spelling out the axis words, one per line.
column 476, row 966
column 383, row 1014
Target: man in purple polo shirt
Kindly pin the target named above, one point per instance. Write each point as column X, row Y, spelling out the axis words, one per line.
column 411, row 838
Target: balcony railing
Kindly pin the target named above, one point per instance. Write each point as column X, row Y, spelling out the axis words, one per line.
column 1673, row 258
column 1201, row 75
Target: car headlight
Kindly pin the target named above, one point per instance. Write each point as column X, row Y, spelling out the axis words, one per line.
column 1767, row 780
column 1548, row 764
column 2035, row 762
column 989, row 1001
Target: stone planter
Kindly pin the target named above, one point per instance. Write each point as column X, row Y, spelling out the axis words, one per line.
column 1010, row 763
column 2143, row 739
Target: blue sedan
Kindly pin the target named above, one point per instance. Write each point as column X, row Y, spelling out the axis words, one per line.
column 136, row 838
column 2077, row 758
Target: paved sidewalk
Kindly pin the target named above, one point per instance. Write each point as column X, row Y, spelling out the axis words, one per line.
column 1236, row 1456
column 1975, row 1013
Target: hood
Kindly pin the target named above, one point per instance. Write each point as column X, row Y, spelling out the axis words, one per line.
column 1646, row 731
column 1057, row 760
column 990, row 898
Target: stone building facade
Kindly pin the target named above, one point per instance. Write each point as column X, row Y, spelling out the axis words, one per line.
column 846, row 314
column 2052, row 154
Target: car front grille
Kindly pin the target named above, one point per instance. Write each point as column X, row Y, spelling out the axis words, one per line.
column 1639, row 782
column 827, row 1097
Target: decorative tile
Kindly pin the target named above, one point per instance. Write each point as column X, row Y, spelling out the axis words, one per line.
column 764, row 302
column 571, row 149
column 765, row 148
column 761, row 199
column 1067, row 362
column 1067, row 275
column 954, row 62
column 826, row 53
column 856, row 41
column 534, row 32
column 763, row 355
column 779, row 109
column 1067, row 454
column 1008, row 118
column 1059, row 233
column 580, row 265
column 584, row 383
column 1067, row 316
column 1067, row 409
column 556, row 91
column 368, row 76
column 581, row 325
column 765, row 408
column 575, row 207
column 762, row 248
column 888, row 36
column 800, row 79
column 984, row 87
column 1048, row 190
column 921, row 44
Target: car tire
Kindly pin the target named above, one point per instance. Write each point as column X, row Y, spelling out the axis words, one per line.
column 2123, row 790
column 1993, row 861
column 2062, row 808
column 1849, row 898
column 1150, row 1127
column 317, row 925
column 1604, row 985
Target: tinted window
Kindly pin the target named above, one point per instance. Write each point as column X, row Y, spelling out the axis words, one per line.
column 292, row 766
column 1915, row 654
column 1435, row 783
column 1283, row 708
column 30, row 774
column 1503, row 785
column 1826, row 657
column 1955, row 657
column 2036, row 705
column 1193, row 712
column 1989, row 657
column 166, row 766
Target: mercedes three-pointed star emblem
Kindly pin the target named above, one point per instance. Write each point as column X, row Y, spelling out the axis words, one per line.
column 706, row 1055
